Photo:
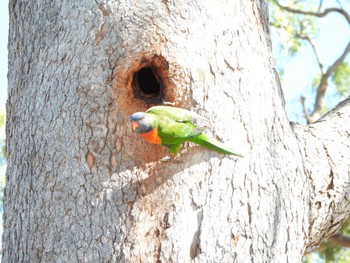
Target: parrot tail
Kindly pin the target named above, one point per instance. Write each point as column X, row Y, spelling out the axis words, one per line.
column 212, row 144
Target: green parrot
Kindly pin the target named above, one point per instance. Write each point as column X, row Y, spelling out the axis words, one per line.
column 170, row 127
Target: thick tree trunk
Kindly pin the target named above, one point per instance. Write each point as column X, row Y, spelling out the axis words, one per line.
column 81, row 187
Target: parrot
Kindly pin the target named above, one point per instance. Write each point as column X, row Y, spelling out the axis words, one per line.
column 171, row 126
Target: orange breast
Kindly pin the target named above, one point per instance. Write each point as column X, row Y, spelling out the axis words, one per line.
column 151, row 136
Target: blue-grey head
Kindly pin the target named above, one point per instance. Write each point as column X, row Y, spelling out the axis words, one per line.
column 140, row 122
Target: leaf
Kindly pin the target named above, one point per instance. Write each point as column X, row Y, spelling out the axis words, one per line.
column 316, row 81
column 291, row 28
column 341, row 79
column 2, row 118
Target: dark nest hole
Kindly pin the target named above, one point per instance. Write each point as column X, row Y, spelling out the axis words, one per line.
column 148, row 85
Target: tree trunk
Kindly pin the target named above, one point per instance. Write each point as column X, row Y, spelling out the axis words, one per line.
column 81, row 187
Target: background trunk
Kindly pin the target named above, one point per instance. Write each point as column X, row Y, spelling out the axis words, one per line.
column 82, row 187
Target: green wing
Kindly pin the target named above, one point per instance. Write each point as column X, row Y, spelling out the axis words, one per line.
column 175, row 125
column 172, row 132
column 212, row 144
column 175, row 114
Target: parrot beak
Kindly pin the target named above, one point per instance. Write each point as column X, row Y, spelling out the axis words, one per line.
column 134, row 125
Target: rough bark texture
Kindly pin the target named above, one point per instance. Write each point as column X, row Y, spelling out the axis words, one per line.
column 81, row 187
column 325, row 147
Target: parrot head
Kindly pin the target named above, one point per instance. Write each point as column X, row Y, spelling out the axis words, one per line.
column 140, row 122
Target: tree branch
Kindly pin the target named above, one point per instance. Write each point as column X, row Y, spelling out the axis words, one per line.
column 306, row 114
column 313, row 46
column 322, row 87
column 314, row 249
column 336, row 239
column 339, row 3
column 325, row 147
column 336, row 63
column 320, row 6
column 340, row 240
column 317, row 14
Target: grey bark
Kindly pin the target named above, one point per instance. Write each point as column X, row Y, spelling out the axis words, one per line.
column 325, row 147
column 81, row 187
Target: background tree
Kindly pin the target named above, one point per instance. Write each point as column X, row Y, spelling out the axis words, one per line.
column 82, row 187
column 297, row 23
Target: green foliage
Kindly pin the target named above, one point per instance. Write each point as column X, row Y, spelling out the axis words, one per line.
column 2, row 118
column 341, row 79
column 328, row 253
column 2, row 151
column 316, row 81
column 292, row 29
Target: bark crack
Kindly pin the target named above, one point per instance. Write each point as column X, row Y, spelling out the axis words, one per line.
column 195, row 244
